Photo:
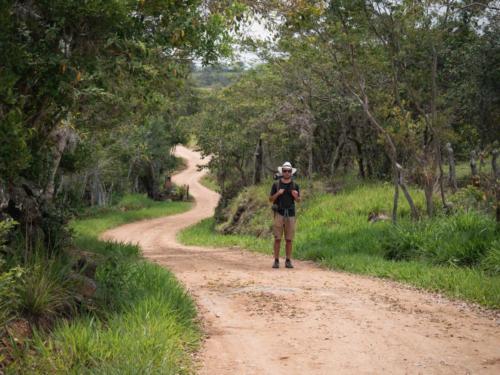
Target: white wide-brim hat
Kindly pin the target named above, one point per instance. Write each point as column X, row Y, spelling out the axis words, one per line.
column 286, row 165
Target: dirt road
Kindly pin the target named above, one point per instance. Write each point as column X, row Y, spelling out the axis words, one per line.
column 309, row 320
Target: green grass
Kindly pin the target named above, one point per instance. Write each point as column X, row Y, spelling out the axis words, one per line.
column 445, row 254
column 143, row 322
column 152, row 334
column 209, row 181
column 131, row 208
column 463, row 171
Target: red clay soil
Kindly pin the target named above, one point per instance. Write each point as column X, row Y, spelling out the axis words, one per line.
column 310, row 320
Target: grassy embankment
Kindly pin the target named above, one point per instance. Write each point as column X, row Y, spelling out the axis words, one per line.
column 457, row 255
column 142, row 321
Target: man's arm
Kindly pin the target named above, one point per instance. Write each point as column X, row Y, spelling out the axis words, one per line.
column 275, row 196
column 296, row 194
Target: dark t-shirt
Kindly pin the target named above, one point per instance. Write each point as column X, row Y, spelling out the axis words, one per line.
column 285, row 202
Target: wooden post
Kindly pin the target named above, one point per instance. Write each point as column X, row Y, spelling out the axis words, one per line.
column 473, row 168
column 496, row 178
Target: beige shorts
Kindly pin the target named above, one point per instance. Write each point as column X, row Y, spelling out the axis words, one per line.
column 284, row 224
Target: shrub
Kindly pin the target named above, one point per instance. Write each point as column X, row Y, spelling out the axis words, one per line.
column 491, row 262
column 469, row 198
column 114, row 277
column 47, row 289
column 462, row 239
column 402, row 243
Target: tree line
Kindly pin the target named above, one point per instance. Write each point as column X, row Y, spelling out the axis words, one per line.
column 398, row 90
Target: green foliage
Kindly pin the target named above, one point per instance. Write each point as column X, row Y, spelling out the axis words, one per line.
column 9, row 292
column 14, row 154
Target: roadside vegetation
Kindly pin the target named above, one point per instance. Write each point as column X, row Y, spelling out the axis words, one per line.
column 456, row 254
column 139, row 319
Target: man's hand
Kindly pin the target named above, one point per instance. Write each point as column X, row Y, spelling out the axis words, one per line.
column 295, row 194
column 273, row 198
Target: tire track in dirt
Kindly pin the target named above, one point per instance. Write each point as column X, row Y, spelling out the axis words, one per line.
column 309, row 320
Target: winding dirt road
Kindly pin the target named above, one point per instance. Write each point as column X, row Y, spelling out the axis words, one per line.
column 309, row 320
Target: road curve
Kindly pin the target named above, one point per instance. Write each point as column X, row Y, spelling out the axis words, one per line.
column 309, row 320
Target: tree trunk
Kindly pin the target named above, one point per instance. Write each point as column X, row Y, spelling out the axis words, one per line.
column 401, row 181
column 359, row 151
column 61, row 136
column 452, row 178
column 97, row 192
column 151, row 182
column 258, row 163
column 337, row 153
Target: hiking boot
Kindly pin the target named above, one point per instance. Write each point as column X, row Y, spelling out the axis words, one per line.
column 288, row 263
column 276, row 263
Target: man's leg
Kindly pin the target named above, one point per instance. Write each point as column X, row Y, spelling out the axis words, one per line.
column 277, row 245
column 288, row 249
column 289, row 234
column 278, row 233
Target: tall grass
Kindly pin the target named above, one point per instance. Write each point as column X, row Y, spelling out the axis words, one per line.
column 457, row 255
column 152, row 333
column 142, row 320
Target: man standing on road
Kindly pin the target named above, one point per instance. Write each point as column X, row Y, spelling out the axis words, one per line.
column 284, row 194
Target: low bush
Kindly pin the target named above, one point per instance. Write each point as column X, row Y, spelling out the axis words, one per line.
column 10, row 279
column 462, row 239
